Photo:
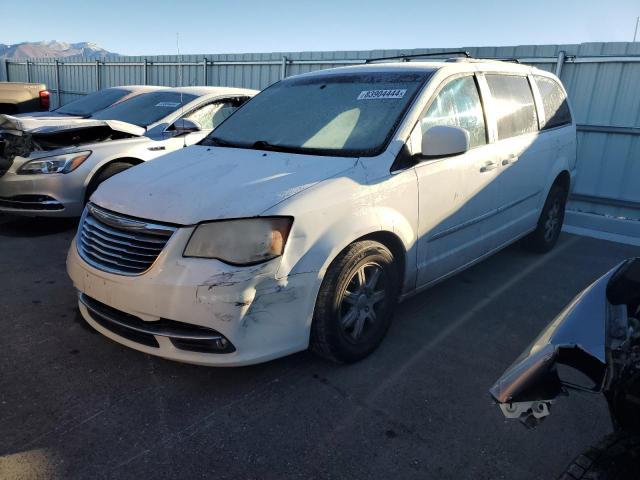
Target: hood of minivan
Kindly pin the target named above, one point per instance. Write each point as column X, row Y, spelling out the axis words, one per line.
column 201, row 183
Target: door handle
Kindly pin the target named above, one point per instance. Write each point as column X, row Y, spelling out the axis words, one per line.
column 488, row 166
column 510, row 159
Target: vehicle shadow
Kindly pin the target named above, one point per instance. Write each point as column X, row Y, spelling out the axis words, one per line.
column 13, row 226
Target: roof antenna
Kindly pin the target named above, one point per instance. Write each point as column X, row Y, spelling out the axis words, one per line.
column 184, row 137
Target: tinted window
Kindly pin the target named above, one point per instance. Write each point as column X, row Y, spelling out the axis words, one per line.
column 458, row 104
column 93, row 102
column 145, row 109
column 333, row 114
column 513, row 105
column 556, row 109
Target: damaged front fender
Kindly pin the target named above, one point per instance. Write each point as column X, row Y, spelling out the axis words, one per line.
column 576, row 337
column 582, row 336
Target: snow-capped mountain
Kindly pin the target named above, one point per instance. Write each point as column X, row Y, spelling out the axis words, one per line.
column 53, row 48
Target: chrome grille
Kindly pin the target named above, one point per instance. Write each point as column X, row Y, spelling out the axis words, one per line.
column 118, row 244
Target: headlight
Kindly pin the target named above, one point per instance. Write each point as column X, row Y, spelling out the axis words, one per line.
column 240, row 242
column 55, row 164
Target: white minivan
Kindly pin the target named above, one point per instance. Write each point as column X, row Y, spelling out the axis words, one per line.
column 311, row 211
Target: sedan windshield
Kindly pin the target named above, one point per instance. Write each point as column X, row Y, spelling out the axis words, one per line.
column 146, row 109
column 336, row 114
column 93, row 102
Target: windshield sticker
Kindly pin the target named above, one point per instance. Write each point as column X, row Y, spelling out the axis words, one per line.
column 378, row 94
column 167, row 104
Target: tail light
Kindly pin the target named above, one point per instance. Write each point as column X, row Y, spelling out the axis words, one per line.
column 44, row 99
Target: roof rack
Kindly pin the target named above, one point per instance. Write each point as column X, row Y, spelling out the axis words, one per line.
column 406, row 58
column 512, row 60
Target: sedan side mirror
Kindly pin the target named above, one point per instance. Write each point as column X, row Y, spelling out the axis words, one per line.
column 184, row 126
column 444, row 141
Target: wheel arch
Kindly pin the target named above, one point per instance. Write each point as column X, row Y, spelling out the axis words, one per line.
column 563, row 180
column 133, row 161
column 388, row 238
column 558, row 177
column 393, row 242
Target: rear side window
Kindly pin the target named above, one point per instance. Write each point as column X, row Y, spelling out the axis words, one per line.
column 458, row 105
column 554, row 102
column 94, row 102
column 147, row 108
column 513, row 105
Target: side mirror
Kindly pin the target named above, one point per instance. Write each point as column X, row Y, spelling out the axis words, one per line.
column 444, row 141
column 184, row 126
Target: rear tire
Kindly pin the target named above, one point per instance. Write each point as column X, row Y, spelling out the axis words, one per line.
column 355, row 304
column 108, row 172
column 546, row 234
column 616, row 457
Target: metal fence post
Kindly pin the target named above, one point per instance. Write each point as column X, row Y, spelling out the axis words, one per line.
column 58, row 82
column 205, row 62
column 6, row 69
column 28, row 72
column 560, row 62
column 283, row 68
column 97, row 75
column 145, row 72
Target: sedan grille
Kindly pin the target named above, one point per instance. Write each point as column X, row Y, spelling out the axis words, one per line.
column 119, row 244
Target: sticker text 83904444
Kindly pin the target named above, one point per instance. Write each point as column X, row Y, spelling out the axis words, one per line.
column 379, row 94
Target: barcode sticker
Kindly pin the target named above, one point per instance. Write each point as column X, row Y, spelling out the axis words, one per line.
column 379, row 94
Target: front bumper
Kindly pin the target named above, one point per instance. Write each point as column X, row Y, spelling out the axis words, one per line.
column 262, row 316
column 50, row 195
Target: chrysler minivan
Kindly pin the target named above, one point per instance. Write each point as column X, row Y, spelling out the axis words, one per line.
column 319, row 204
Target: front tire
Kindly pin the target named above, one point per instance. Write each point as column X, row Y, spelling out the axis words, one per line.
column 546, row 234
column 355, row 303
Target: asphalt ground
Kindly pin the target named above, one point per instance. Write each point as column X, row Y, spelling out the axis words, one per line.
column 74, row 404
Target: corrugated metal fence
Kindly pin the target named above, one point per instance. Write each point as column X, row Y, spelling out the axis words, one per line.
column 603, row 81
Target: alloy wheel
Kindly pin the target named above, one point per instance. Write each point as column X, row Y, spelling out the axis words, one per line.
column 362, row 300
column 552, row 221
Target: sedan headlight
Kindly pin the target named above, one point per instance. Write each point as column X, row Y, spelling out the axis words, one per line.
column 55, row 164
column 240, row 242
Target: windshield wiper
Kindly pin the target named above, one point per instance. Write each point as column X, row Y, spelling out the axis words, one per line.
column 216, row 142
column 263, row 145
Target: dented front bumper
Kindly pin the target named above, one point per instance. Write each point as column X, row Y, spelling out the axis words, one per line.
column 262, row 315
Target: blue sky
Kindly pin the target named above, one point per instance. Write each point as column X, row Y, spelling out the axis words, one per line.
column 138, row 27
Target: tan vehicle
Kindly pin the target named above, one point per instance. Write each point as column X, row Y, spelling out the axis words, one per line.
column 18, row 97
